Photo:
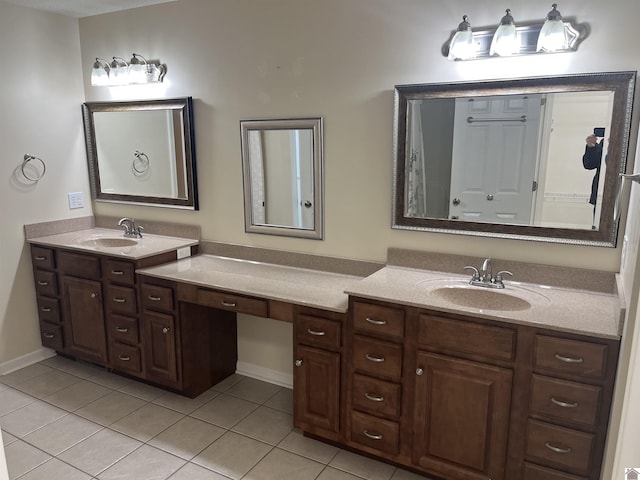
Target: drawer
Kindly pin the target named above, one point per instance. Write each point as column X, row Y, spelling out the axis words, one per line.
column 48, row 309
column 319, row 332
column 377, row 433
column 467, row 337
column 561, row 400
column 119, row 272
column 46, row 283
column 231, row 302
column 79, row 265
column 156, row 297
column 375, row 396
column 536, row 472
column 123, row 329
column 42, row 257
column 125, row 357
column 377, row 356
column 51, row 336
column 378, row 319
column 121, row 299
column 571, row 356
column 559, row 447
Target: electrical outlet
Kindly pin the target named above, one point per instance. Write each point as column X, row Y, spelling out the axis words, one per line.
column 76, row 200
column 183, row 252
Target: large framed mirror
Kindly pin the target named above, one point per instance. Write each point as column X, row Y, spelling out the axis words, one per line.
column 533, row 158
column 142, row 152
column 282, row 168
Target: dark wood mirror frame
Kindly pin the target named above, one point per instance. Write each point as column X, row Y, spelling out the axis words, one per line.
column 621, row 83
column 180, row 106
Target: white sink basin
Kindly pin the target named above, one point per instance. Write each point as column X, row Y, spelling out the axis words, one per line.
column 108, row 242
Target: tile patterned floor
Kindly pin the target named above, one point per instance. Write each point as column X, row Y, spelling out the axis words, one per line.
column 68, row 420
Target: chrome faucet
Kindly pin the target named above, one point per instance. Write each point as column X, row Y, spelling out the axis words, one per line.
column 130, row 227
column 484, row 277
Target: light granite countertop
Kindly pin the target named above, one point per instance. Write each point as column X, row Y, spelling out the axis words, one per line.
column 85, row 241
column 568, row 310
column 300, row 286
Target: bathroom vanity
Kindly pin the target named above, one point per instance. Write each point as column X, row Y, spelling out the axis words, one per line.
column 412, row 366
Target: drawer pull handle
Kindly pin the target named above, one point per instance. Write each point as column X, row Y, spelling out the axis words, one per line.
column 317, row 333
column 117, row 272
column 40, row 258
column 373, row 321
column 372, row 436
column 48, row 335
column 43, row 283
column 124, row 358
column 564, row 359
column 119, row 300
column 371, row 358
column 228, row 304
column 557, row 449
column 153, row 298
column 122, row 329
column 562, row 404
column 45, row 309
column 373, row 398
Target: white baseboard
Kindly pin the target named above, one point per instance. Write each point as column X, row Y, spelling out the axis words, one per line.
column 26, row 360
column 265, row 374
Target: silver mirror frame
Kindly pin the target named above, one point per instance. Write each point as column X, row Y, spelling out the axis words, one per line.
column 621, row 83
column 315, row 125
column 183, row 105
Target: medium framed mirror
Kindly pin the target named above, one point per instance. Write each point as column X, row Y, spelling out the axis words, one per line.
column 533, row 158
column 142, row 152
column 282, row 167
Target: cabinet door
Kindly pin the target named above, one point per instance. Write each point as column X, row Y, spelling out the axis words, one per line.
column 87, row 334
column 316, row 379
column 461, row 417
column 161, row 358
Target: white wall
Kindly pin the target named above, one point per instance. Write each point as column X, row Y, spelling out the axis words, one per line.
column 40, row 114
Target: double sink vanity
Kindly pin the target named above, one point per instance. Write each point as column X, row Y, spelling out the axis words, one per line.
column 410, row 364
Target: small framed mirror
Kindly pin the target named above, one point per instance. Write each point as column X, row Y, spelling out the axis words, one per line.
column 142, row 152
column 282, row 170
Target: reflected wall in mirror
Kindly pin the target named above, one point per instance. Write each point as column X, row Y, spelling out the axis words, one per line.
column 534, row 158
column 142, row 152
column 282, row 169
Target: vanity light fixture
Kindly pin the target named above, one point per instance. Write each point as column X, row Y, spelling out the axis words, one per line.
column 138, row 71
column 507, row 39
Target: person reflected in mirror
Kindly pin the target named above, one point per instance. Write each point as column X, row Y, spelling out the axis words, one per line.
column 591, row 160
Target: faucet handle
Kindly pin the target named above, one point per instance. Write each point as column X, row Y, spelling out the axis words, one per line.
column 138, row 232
column 498, row 278
column 476, row 274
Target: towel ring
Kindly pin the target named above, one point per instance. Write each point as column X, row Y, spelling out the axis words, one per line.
column 141, row 162
column 28, row 158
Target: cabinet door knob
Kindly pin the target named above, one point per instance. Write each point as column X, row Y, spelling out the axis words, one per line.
column 165, row 330
column 419, row 371
column 94, row 295
column 298, row 363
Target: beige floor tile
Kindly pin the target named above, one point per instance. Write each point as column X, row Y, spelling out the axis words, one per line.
column 401, row 474
column 253, row 390
column 141, row 390
column 22, row 457
column 54, row 469
column 24, row 374
column 333, row 474
column 266, row 424
column 146, row 463
column 297, row 443
column 183, row 404
column 77, row 395
column 11, row 399
column 110, row 408
column 279, row 465
column 3, row 386
column 48, row 383
column 7, row 438
column 225, row 410
column 146, row 422
column 187, row 438
column 109, row 380
column 30, row 418
column 191, row 471
column 283, row 401
column 227, row 383
column 74, row 367
column 64, row 433
column 99, row 451
column 232, row 455
column 362, row 466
